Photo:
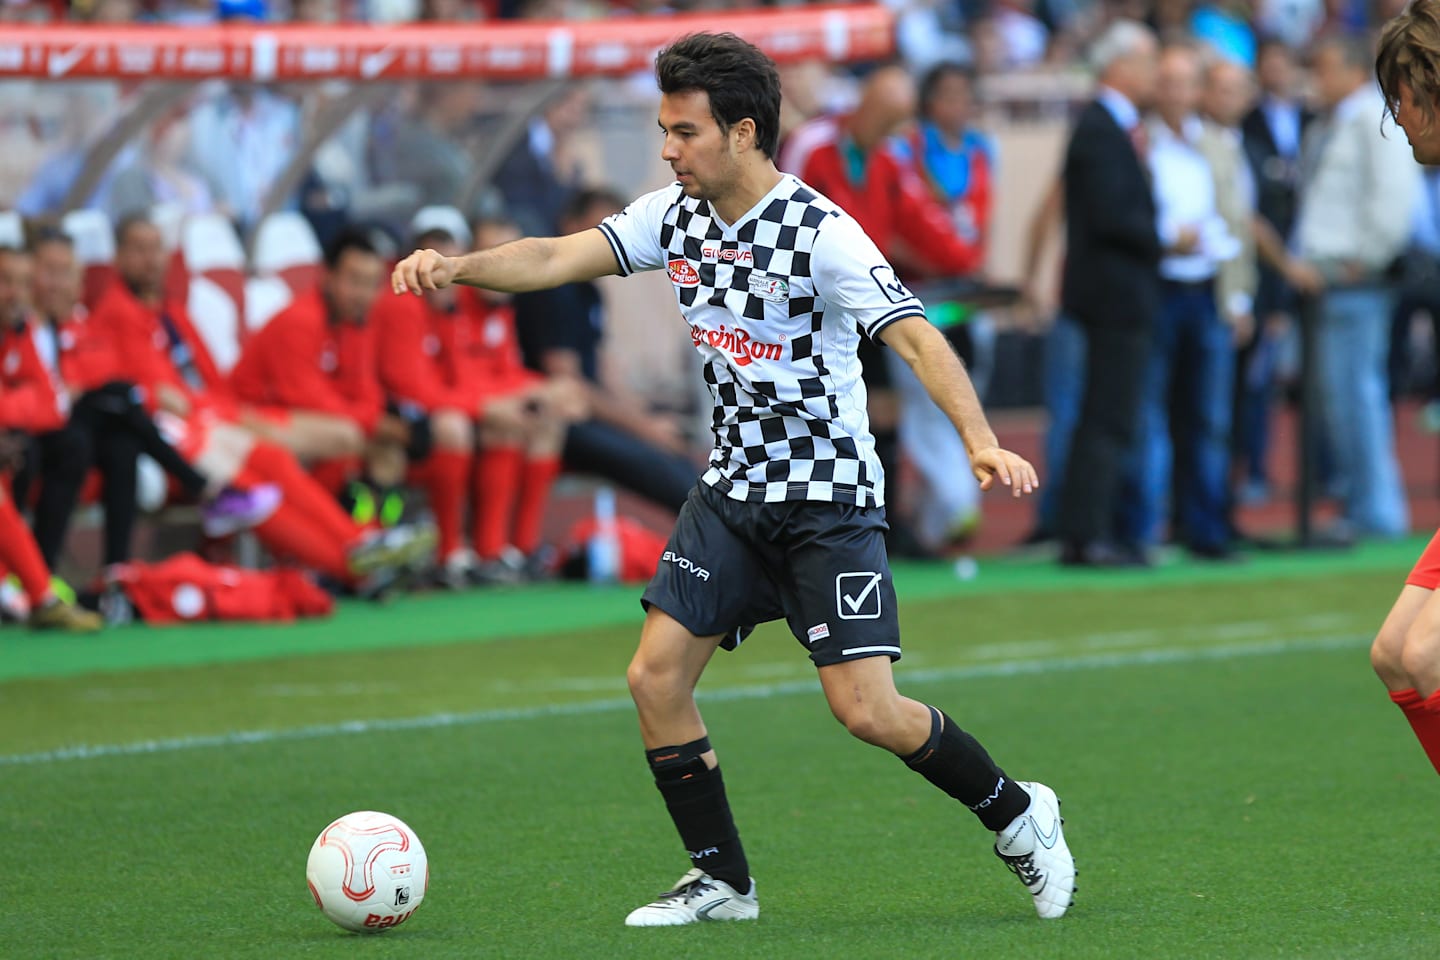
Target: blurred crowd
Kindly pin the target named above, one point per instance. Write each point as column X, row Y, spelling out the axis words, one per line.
column 202, row 293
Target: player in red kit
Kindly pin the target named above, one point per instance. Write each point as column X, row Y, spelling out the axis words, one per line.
column 454, row 352
column 160, row 352
column 1406, row 652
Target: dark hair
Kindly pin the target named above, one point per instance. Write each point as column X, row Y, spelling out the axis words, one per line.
column 933, row 77
column 589, row 198
column 1409, row 55
column 740, row 80
column 47, row 234
column 431, row 237
column 350, row 238
column 129, row 222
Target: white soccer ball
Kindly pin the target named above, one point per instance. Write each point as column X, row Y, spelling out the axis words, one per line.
column 368, row 872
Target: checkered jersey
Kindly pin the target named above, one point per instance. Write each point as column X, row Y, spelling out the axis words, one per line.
column 776, row 305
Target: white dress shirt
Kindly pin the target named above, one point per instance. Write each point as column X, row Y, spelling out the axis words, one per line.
column 1184, row 189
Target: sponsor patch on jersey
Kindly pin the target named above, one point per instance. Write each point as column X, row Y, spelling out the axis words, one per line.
column 889, row 284
column 773, row 289
column 682, row 274
column 818, row 632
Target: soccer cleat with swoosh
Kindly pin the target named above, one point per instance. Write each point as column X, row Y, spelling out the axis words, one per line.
column 695, row 898
column 1033, row 847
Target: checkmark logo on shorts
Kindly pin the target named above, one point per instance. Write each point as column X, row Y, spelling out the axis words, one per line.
column 857, row 595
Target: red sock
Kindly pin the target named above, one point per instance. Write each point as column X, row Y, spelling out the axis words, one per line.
column 535, row 482
column 21, row 554
column 289, row 533
column 334, row 474
column 1424, row 716
column 497, row 484
column 270, row 463
column 444, row 479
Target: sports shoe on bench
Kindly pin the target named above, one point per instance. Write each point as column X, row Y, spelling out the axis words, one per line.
column 695, row 898
column 1033, row 847
column 232, row 510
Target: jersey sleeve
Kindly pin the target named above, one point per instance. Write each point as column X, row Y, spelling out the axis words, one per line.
column 851, row 274
column 634, row 233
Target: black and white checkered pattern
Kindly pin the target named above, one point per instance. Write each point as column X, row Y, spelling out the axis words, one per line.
column 776, row 305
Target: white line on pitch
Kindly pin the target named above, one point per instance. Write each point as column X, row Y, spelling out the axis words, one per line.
column 1009, row 668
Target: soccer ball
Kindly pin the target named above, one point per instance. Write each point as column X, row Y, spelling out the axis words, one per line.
column 367, row 871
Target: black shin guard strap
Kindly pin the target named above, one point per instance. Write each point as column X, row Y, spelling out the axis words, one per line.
column 955, row 762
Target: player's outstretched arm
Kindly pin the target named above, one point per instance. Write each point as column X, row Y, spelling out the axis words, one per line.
column 534, row 263
column 929, row 354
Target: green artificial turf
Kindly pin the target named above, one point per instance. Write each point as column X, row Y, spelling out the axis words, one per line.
column 1235, row 781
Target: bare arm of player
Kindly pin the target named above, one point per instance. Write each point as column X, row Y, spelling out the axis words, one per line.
column 929, row 354
column 534, row 263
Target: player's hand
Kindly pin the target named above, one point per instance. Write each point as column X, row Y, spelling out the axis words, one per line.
column 1010, row 469
column 422, row 270
column 172, row 399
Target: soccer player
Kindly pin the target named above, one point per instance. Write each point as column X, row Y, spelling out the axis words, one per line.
column 1406, row 652
column 455, row 354
column 776, row 285
column 160, row 352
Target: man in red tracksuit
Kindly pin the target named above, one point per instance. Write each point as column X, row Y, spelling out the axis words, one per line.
column 851, row 161
column 21, row 409
column 454, row 352
column 313, row 368
column 80, row 415
column 161, row 353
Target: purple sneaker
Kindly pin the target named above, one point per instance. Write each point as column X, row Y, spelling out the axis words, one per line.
column 232, row 510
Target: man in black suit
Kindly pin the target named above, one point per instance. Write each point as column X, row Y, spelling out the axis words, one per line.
column 1111, row 286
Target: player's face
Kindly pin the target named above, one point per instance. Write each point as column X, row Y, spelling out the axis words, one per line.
column 57, row 280
column 1422, row 132
column 702, row 156
column 140, row 258
column 15, row 278
column 353, row 285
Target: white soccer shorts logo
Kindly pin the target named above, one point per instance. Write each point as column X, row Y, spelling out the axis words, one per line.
column 857, row 595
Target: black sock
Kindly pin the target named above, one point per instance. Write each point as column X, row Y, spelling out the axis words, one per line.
column 956, row 763
column 695, row 797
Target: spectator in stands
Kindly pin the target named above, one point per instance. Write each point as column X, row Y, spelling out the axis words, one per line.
column 430, row 149
column 242, row 140
column 161, row 173
column 1063, row 377
column 1272, row 131
column 455, row 352
column 957, row 161
column 561, row 332
column 1111, row 287
column 160, row 352
column 1358, row 187
column 854, row 161
column 1419, row 292
column 310, row 381
column 1184, row 429
column 105, row 420
column 539, row 176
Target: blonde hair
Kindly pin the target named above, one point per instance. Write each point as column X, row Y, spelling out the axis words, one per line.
column 1409, row 55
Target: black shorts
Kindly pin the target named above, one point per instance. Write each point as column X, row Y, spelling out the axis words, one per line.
column 821, row 567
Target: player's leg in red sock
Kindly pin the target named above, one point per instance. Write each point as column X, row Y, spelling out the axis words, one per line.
column 272, row 463
column 18, row 550
column 497, row 486
column 445, row 475
column 536, row 480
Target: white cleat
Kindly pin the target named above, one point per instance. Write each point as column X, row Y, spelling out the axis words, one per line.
column 697, row 897
column 1033, row 847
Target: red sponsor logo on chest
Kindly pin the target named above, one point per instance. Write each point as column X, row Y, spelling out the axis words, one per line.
column 682, row 274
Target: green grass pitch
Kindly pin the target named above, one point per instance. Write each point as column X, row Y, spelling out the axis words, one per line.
column 1236, row 783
